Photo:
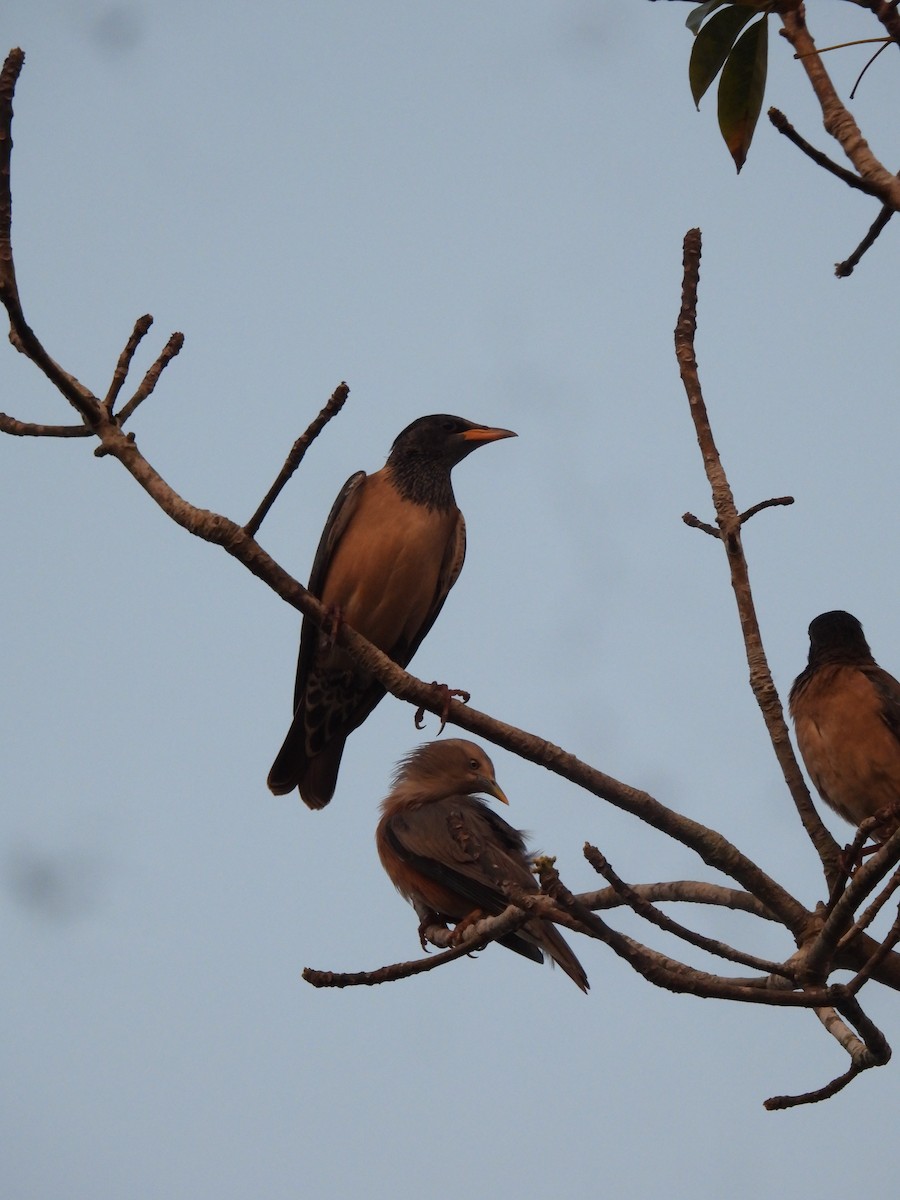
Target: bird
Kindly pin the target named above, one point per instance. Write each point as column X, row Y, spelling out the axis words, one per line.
column 846, row 713
column 391, row 550
column 450, row 854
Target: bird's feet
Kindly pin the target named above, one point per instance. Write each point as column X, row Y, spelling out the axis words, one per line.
column 446, row 694
column 458, row 936
column 429, row 920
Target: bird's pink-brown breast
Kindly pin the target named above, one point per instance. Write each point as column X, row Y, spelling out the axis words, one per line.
column 391, row 566
column 852, row 756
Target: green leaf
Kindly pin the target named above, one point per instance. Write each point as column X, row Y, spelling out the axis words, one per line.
column 701, row 12
column 741, row 89
column 713, row 45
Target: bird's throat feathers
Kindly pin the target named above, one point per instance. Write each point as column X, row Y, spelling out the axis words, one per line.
column 422, row 481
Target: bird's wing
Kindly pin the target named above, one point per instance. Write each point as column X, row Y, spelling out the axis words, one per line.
column 462, row 844
column 338, row 519
column 451, row 566
column 888, row 691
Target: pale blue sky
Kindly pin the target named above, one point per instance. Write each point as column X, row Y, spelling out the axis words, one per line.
column 465, row 207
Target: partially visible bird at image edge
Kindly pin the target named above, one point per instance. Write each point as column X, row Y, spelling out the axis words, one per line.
column 391, row 550
column 450, row 854
column 846, row 713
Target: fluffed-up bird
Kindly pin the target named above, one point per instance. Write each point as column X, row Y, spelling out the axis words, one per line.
column 846, row 712
column 392, row 548
column 450, row 854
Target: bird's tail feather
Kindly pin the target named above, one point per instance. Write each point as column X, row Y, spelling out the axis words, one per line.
column 553, row 943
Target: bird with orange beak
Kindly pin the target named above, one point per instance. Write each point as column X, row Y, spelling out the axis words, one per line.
column 450, row 854
column 846, row 711
column 392, row 548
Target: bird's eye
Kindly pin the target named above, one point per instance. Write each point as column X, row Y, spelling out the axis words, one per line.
column 450, row 426
column 474, row 764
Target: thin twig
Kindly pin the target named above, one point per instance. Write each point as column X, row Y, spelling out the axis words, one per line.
column 872, row 1051
column 403, row 970
column 21, row 335
column 880, row 50
column 775, row 502
column 783, row 125
column 696, row 523
column 652, row 914
column 476, row 937
column 141, row 327
column 886, row 12
column 850, row 857
column 865, row 972
column 777, row 1103
column 866, row 918
column 298, row 450
column 729, row 523
column 821, row 950
column 150, row 380
column 676, row 976
column 847, row 267
column 18, row 428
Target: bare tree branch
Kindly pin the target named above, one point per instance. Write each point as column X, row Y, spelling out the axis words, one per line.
column 404, row 970
column 682, row 891
column 847, row 267
column 475, row 937
column 729, row 524
column 150, row 380
column 868, row 916
column 645, row 909
column 783, row 125
column 141, row 328
column 294, row 459
column 836, row 116
column 19, row 428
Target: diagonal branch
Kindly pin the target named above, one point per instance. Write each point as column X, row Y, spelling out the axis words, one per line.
column 849, row 265
column 644, row 908
column 294, row 459
column 388, row 974
column 820, row 951
column 150, row 380
column 475, row 937
column 729, row 523
column 783, row 125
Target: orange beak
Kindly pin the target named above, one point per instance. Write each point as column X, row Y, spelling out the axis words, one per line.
column 483, row 433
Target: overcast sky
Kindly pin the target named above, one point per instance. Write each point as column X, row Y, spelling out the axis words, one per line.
column 475, row 208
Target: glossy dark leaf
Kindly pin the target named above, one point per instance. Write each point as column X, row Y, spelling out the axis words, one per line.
column 713, row 44
column 741, row 89
column 701, row 12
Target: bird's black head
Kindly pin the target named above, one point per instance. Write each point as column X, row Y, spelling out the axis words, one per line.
column 837, row 635
column 423, row 455
column 443, row 438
